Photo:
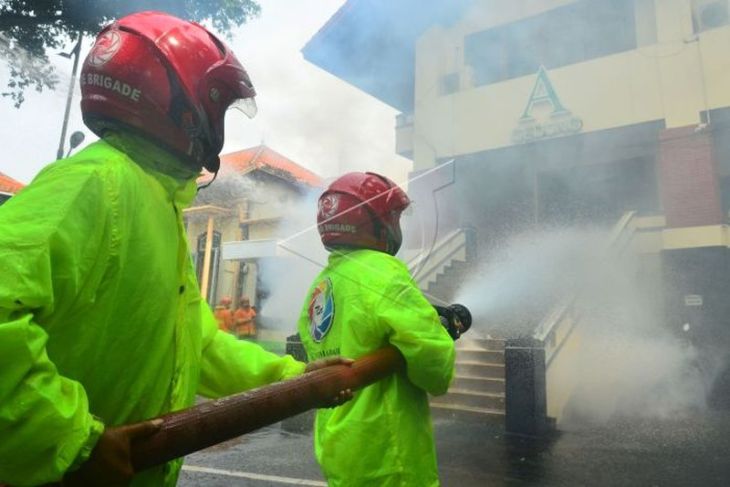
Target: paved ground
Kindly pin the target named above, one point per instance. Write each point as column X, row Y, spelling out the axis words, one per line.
column 691, row 451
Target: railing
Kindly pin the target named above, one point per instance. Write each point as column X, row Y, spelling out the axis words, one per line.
column 559, row 332
column 428, row 264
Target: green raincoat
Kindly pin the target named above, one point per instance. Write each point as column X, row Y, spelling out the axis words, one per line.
column 101, row 319
column 361, row 302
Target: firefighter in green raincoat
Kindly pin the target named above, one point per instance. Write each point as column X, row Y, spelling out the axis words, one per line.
column 363, row 300
column 101, row 319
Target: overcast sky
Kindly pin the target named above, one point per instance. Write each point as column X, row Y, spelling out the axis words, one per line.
column 305, row 113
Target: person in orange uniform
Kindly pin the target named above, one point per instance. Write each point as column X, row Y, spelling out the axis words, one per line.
column 243, row 318
column 224, row 315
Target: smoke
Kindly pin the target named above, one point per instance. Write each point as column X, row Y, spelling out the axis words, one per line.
column 624, row 372
column 283, row 280
column 304, row 111
column 302, row 256
column 627, row 362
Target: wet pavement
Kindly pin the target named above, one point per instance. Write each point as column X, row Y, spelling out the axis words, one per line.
column 686, row 451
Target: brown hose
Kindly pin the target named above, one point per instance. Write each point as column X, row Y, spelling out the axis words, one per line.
column 207, row 424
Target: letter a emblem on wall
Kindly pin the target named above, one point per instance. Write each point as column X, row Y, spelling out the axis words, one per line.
column 534, row 124
column 543, row 92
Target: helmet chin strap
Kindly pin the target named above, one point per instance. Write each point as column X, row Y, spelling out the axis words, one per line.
column 203, row 186
column 393, row 245
column 213, row 164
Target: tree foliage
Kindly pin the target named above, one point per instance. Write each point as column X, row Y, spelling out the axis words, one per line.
column 29, row 30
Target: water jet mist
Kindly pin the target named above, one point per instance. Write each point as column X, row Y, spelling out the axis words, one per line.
column 628, row 362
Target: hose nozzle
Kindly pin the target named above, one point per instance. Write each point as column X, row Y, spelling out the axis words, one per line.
column 456, row 318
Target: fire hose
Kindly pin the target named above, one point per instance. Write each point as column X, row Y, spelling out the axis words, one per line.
column 213, row 422
column 207, row 424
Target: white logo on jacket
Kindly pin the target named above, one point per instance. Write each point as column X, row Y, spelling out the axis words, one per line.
column 321, row 310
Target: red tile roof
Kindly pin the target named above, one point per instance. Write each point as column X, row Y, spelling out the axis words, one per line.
column 263, row 158
column 10, row 185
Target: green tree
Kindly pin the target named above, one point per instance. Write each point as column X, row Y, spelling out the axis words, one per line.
column 30, row 29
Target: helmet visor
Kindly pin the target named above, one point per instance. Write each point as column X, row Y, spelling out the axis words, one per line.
column 247, row 106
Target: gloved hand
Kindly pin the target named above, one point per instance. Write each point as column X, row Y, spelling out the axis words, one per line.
column 343, row 396
column 110, row 463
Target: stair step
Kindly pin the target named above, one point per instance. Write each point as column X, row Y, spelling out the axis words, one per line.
column 475, row 342
column 480, row 355
column 480, row 369
column 481, row 415
column 491, row 344
column 478, row 384
column 485, row 400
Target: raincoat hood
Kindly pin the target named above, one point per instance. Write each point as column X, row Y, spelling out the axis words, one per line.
column 175, row 177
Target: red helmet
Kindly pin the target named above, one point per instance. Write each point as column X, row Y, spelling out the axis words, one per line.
column 169, row 79
column 362, row 210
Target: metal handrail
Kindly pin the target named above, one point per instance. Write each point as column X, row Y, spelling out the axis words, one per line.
column 425, row 255
column 433, row 260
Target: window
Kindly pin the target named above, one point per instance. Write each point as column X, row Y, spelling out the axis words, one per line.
column 575, row 33
column 599, row 192
column 709, row 14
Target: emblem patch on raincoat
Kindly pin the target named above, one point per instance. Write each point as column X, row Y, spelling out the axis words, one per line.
column 321, row 310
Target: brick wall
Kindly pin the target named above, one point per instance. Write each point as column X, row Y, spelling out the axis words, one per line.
column 688, row 178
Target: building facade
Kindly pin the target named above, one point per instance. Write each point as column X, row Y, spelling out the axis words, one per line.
column 534, row 114
column 254, row 191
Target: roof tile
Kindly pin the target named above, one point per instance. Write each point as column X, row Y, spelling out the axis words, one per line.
column 268, row 160
column 9, row 185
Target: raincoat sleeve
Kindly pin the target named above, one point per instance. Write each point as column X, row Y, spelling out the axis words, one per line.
column 230, row 366
column 412, row 326
column 45, row 424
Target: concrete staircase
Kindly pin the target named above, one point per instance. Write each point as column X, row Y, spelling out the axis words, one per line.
column 449, row 280
column 477, row 392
